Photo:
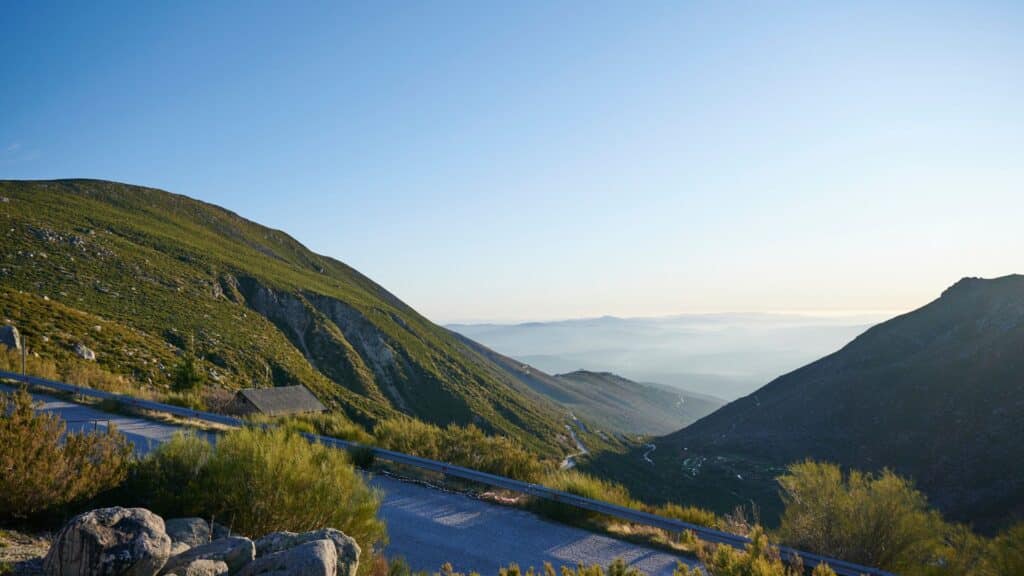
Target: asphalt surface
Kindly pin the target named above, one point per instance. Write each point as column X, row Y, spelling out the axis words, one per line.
column 429, row 527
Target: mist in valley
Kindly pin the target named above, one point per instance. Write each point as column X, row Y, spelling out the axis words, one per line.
column 721, row 355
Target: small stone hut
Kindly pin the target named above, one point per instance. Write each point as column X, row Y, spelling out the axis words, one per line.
column 278, row 401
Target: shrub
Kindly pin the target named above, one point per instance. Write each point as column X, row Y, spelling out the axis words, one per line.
column 188, row 375
column 875, row 520
column 41, row 468
column 465, row 446
column 171, row 478
column 580, row 484
column 689, row 514
column 259, row 481
column 1004, row 554
column 759, row 559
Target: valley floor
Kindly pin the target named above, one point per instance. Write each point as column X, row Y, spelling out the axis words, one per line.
column 429, row 527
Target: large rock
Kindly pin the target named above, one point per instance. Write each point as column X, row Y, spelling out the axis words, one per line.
column 9, row 337
column 235, row 551
column 110, row 542
column 219, row 531
column 85, row 352
column 191, row 531
column 203, row 567
column 346, row 547
column 316, row 558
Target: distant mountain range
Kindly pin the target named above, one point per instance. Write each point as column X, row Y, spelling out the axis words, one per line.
column 722, row 355
column 610, row 401
column 936, row 394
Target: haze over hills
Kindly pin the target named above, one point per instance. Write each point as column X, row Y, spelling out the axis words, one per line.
column 138, row 275
column 610, row 401
column 936, row 394
column 722, row 355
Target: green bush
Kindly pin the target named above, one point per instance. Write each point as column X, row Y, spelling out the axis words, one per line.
column 689, row 514
column 259, row 481
column 188, row 374
column 876, row 520
column 759, row 559
column 171, row 479
column 1004, row 555
column 465, row 446
column 43, row 469
column 580, row 484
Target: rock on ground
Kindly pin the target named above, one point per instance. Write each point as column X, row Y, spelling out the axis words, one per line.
column 346, row 548
column 110, row 541
column 84, row 352
column 316, row 558
column 202, row 567
column 9, row 337
column 190, row 531
column 235, row 551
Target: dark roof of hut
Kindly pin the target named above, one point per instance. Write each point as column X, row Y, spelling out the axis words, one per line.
column 282, row 399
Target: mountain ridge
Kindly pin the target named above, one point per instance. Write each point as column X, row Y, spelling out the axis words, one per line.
column 260, row 307
column 936, row 394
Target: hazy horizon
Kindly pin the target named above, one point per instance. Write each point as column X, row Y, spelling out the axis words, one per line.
column 721, row 355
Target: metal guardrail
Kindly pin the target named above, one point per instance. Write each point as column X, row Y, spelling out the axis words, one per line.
column 841, row 568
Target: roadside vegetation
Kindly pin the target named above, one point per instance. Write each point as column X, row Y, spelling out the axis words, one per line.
column 43, row 469
column 257, row 481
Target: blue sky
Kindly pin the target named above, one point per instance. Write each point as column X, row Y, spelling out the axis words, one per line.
column 509, row 161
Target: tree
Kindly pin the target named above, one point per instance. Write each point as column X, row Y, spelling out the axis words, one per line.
column 188, row 374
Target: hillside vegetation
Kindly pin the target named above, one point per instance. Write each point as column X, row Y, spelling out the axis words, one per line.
column 146, row 278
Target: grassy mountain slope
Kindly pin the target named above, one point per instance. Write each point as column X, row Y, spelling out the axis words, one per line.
column 633, row 406
column 145, row 273
column 936, row 394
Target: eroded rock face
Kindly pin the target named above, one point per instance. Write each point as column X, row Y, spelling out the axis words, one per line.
column 110, row 542
column 235, row 552
column 316, row 558
column 190, row 531
column 346, row 549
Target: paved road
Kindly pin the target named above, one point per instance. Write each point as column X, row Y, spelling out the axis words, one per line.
column 429, row 527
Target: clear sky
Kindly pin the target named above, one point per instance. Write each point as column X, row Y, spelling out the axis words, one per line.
column 518, row 160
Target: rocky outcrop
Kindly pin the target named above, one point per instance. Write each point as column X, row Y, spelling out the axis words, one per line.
column 9, row 337
column 136, row 542
column 110, row 541
column 316, row 558
column 84, row 352
column 235, row 551
column 190, row 531
column 346, row 548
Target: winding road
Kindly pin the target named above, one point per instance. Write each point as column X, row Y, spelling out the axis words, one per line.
column 429, row 527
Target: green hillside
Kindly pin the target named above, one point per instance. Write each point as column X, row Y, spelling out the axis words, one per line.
column 633, row 406
column 141, row 275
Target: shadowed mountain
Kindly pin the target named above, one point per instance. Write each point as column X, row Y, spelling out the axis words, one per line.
column 936, row 394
